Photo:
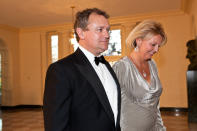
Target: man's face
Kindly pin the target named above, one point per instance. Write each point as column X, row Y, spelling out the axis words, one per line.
column 96, row 37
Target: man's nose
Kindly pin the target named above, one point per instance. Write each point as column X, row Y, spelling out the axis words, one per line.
column 106, row 34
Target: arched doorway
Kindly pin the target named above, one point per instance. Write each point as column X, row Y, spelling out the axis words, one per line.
column 4, row 96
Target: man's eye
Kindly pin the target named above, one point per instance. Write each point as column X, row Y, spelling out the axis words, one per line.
column 99, row 29
column 103, row 29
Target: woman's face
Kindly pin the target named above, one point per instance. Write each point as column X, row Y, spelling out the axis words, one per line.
column 149, row 46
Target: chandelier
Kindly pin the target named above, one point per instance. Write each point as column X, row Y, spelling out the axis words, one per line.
column 73, row 40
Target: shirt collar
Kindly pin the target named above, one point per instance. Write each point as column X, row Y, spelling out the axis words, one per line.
column 88, row 54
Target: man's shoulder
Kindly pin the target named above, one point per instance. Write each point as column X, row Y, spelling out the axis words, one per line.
column 70, row 59
column 67, row 59
column 65, row 62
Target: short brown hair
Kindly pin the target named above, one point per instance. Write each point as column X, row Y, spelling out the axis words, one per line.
column 82, row 17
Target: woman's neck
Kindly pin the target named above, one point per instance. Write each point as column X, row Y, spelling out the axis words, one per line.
column 138, row 59
column 141, row 64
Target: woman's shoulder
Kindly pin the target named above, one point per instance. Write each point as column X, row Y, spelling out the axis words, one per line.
column 121, row 65
column 153, row 64
column 124, row 61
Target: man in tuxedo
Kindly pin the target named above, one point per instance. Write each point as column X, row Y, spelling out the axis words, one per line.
column 82, row 92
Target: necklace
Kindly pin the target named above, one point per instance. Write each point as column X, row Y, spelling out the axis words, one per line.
column 143, row 72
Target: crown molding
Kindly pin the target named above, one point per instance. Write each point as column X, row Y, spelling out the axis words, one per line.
column 46, row 28
column 9, row 28
column 139, row 17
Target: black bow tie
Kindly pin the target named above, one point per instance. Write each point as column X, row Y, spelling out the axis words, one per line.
column 99, row 59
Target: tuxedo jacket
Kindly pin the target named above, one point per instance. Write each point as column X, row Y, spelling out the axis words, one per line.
column 75, row 99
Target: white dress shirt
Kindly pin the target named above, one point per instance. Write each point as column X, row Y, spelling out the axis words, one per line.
column 106, row 79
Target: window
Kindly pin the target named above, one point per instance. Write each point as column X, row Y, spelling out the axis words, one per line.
column 54, row 48
column 114, row 47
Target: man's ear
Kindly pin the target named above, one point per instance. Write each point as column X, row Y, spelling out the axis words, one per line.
column 80, row 33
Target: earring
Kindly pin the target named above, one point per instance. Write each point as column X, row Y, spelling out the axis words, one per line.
column 136, row 49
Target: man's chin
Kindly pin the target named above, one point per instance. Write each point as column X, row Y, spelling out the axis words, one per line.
column 103, row 50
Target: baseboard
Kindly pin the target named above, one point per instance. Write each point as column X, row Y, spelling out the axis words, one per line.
column 20, row 107
column 171, row 109
column 174, row 109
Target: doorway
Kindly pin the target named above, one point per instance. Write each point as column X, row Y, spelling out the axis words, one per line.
column 4, row 90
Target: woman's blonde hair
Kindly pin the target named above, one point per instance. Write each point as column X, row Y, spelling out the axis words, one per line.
column 144, row 29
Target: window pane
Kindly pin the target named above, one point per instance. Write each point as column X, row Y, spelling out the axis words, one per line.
column 114, row 47
column 54, row 48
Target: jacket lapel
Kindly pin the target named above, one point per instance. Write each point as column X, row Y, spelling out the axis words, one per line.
column 89, row 73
